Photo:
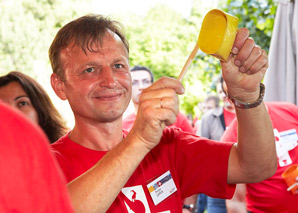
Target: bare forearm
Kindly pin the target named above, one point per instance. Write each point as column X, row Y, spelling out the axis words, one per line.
column 95, row 190
column 237, row 204
column 255, row 151
column 190, row 200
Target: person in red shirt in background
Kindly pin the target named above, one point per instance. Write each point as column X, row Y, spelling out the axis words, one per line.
column 142, row 77
column 31, row 180
column 270, row 195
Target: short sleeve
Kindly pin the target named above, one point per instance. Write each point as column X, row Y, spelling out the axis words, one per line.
column 202, row 166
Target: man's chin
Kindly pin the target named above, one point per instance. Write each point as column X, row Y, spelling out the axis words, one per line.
column 110, row 119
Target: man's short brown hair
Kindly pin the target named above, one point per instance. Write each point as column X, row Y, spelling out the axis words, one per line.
column 84, row 32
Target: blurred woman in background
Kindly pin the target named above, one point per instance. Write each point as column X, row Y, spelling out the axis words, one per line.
column 28, row 96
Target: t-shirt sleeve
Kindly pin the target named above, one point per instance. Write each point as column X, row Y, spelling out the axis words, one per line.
column 61, row 163
column 202, row 166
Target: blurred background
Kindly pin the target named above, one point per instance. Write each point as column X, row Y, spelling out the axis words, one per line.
column 161, row 33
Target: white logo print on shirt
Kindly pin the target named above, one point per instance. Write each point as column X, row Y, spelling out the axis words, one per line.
column 135, row 199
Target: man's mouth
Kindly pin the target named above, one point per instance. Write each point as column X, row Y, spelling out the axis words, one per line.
column 108, row 97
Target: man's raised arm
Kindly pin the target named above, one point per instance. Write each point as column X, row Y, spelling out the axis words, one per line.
column 253, row 158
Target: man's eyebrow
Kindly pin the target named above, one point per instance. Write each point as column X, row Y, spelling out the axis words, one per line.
column 122, row 58
column 89, row 63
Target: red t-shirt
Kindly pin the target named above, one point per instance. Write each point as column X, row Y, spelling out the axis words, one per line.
column 229, row 117
column 197, row 165
column 271, row 195
column 181, row 122
column 30, row 178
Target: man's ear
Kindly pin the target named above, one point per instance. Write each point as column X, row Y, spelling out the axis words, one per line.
column 58, row 86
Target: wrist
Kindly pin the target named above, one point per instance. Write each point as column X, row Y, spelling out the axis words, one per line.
column 250, row 104
column 135, row 142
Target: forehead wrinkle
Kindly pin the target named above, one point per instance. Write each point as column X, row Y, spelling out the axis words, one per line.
column 67, row 54
column 94, row 45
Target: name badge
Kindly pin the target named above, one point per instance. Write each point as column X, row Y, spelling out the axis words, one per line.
column 285, row 141
column 162, row 187
column 290, row 138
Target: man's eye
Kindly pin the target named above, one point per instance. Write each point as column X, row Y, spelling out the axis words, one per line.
column 89, row 70
column 118, row 66
column 135, row 83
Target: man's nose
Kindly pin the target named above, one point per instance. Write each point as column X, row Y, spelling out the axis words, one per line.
column 107, row 78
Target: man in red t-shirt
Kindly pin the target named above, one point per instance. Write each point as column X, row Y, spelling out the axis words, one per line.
column 142, row 77
column 151, row 167
column 31, row 180
column 271, row 195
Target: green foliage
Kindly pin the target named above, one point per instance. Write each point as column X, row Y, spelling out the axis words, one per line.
column 27, row 30
column 256, row 15
column 162, row 40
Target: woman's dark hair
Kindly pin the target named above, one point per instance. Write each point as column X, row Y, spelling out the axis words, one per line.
column 49, row 118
